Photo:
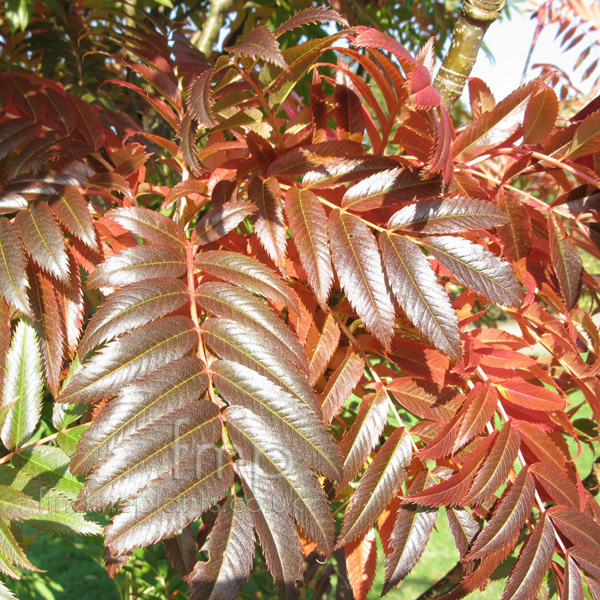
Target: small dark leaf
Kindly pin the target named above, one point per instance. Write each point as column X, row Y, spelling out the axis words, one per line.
column 341, row 384
column 199, row 99
column 182, row 551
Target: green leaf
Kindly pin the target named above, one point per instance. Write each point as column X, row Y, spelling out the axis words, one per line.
column 10, row 549
column 68, row 440
column 65, row 521
column 45, row 469
column 15, row 505
column 23, row 386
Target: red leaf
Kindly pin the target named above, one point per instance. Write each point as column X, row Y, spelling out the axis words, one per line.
column 348, row 109
column 534, row 561
column 566, row 261
column 579, row 528
column 341, row 384
column 479, row 408
column 361, row 563
column 219, row 221
column 508, row 518
column 387, row 188
column 540, row 116
column 358, row 264
column 410, row 535
column 497, row 466
column 260, row 43
column 320, row 347
column 495, row 126
column 313, row 14
column 308, row 222
column 530, row 396
column 515, row 236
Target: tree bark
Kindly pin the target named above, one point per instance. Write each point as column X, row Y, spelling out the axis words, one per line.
column 209, row 33
column 476, row 17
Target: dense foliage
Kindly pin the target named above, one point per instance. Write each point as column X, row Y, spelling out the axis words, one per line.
column 262, row 307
